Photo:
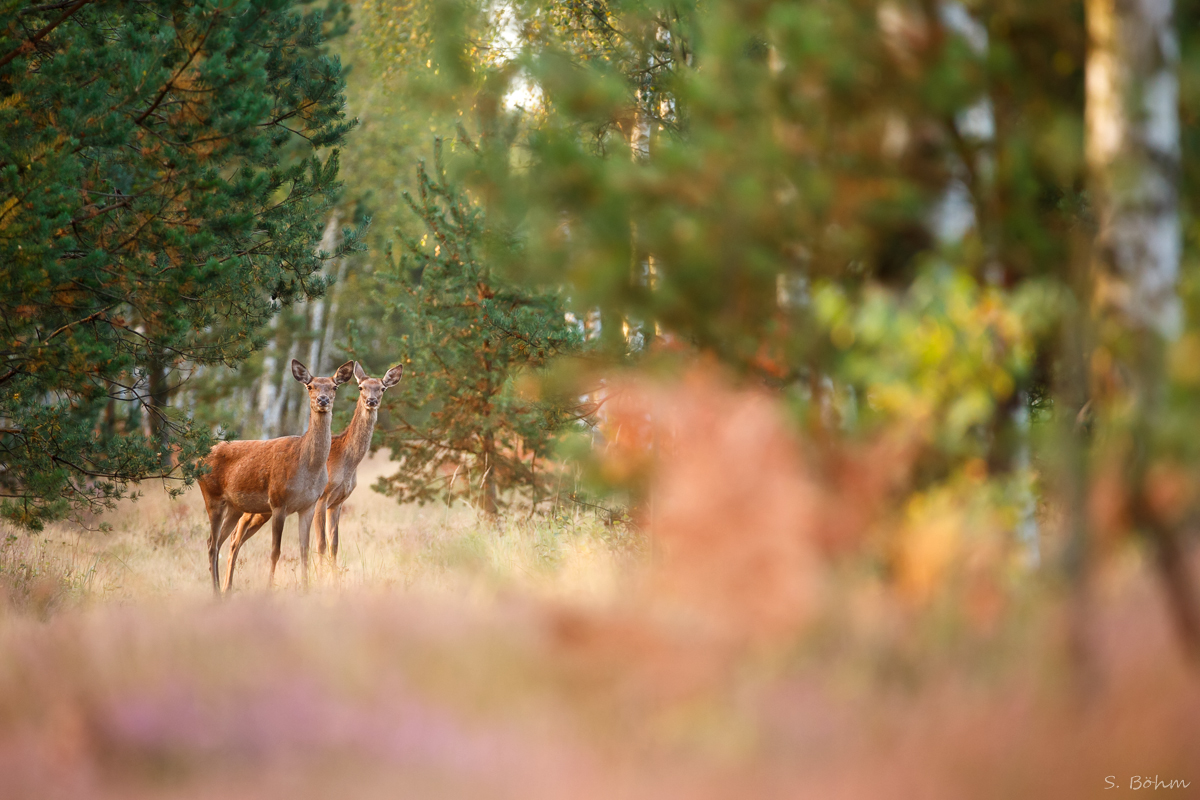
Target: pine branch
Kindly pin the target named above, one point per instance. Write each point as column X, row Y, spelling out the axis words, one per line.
column 28, row 44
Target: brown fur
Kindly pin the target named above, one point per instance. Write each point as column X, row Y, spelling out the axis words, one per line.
column 346, row 452
column 272, row 478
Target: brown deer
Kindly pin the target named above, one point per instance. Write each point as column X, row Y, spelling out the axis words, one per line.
column 273, row 478
column 346, row 452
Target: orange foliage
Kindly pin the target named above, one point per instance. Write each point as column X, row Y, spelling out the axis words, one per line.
column 1170, row 491
column 742, row 516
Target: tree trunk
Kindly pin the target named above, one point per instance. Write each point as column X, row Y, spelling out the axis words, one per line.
column 316, row 330
column 1027, row 523
column 1133, row 154
column 266, row 386
column 329, row 240
column 285, row 395
column 331, row 319
column 159, row 391
column 1073, row 435
column 110, row 424
column 488, row 500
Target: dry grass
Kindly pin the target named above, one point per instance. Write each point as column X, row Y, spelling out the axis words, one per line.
column 156, row 551
column 544, row 660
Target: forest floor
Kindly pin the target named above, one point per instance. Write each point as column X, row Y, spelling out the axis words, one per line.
column 447, row 657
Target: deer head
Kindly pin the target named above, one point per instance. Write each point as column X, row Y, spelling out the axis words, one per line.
column 322, row 391
column 373, row 388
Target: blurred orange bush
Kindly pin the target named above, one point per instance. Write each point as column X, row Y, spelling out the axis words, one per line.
column 743, row 515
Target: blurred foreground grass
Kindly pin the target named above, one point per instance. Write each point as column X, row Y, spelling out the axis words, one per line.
column 448, row 658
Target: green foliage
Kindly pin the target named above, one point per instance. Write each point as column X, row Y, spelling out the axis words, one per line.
column 467, row 419
column 792, row 140
column 697, row 172
column 160, row 199
column 945, row 354
column 437, row 46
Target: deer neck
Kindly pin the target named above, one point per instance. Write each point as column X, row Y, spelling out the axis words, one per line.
column 314, row 444
column 358, row 435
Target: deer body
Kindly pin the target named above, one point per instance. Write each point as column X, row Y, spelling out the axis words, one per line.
column 346, row 452
column 272, row 478
column 257, row 478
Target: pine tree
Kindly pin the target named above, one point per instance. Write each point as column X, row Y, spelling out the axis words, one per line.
column 464, row 423
column 161, row 197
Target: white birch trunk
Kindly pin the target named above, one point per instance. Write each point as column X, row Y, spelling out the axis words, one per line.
column 284, row 393
column 331, row 321
column 1133, row 155
column 266, row 386
column 329, row 241
column 645, row 270
column 316, row 330
column 639, row 133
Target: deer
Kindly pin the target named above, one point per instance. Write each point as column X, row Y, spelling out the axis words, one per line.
column 273, row 477
column 346, row 452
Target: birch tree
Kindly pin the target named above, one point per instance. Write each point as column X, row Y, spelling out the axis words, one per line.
column 1133, row 155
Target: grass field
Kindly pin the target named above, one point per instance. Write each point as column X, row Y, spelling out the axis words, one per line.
column 157, row 550
column 450, row 658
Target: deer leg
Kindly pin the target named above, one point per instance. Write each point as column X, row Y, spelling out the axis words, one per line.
column 229, row 522
column 253, row 523
column 335, row 521
column 228, row 525
column 234, row 545
column 319, row 522
column 276, row 540
column 306, row 520
column 247, row 526
column 215, row 513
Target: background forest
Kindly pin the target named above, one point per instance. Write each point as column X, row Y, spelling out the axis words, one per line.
column 790, row 387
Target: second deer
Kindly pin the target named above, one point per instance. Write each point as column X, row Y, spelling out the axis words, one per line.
column 272, row 478
column 346, row 452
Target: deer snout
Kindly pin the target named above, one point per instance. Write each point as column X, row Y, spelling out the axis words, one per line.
column 372, row 404
column 323, row 403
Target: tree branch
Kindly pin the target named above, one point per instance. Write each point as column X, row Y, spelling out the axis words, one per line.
column 28, row 43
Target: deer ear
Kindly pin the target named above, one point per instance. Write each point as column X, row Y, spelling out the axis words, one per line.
column 392, row 377
column 301, row 373
column 360, row 374
column 344, row 373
